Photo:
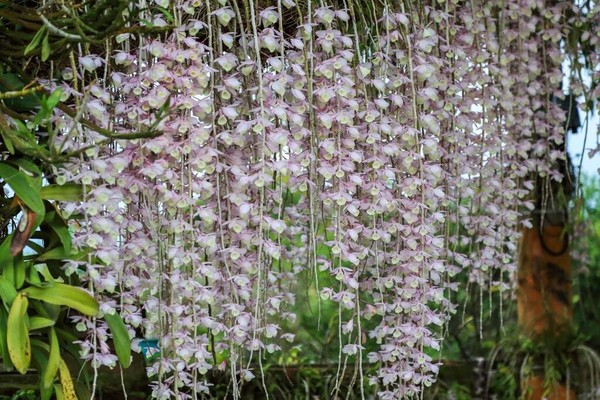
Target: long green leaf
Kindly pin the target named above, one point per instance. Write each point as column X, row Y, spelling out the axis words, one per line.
column 59, row 392
column 43, row 270
column 7, row 291
column 39, row 351
column 66, row 192
column 45, row 48
column 7, row 261
column 35, row 41
column 25, row 133
column 8, row 365
column 65, row 295
column 20, row 271
column 67, row 340
column 34, row 277
column 57, row 253
column 42, row 345
column 46, row 310
column 17, row 339
column 7, row 142
column 54, row 99
column 121, row 338
column 66, row 382
column 10, row 82
column 22, row 187
column 57, row 224
column 53, row 361
column 36, row 323
column 31, row 170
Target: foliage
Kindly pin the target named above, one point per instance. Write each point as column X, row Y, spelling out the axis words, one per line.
column 561, row 360
column 587, row 266
column 229, row 150
column 35, row 235
column 22, row 395
column 34, row 301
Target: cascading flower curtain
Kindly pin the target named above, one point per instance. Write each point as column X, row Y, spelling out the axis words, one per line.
column 389, row 144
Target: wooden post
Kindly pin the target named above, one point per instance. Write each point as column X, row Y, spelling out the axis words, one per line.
column 545, row 310
column 544, row 277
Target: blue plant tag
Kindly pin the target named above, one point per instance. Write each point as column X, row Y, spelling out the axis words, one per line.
column 150, row 349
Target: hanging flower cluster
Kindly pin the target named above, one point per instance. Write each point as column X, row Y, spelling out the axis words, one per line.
column 393, row 139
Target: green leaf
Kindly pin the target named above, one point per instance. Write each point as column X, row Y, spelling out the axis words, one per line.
column 46, row 310
column 5, row 256
column 53, row 99
column 43, row 270
column 22, row 186
column 17, row 339
column 6, row 259
column 7, row 142
column 57, row 253
column 121, row 338
column 67, row 338
column 30, row 169
column 36, row 323
column 15, row 271
column 45, row 48
column 11, row 82
column 66, row 381
column 8, row 365
column 36, row 40
column 66, row 192
column 82, row 390
column 46, row 393
column 7, row 291
column 24, row 132
column 57, row 224
column 20, row 271
column 64, row 295
column 39, row 351
column 40, row 344
column 40, row 116
column 59, row 392
column 53, row 361
column 34, row 277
